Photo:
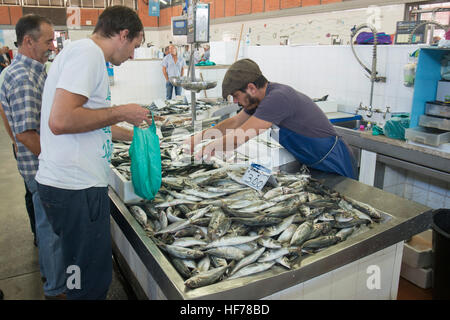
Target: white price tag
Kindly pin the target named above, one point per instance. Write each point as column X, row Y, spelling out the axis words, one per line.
column 256, row 176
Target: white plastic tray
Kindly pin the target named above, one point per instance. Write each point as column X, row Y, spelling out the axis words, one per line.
column 123, row 187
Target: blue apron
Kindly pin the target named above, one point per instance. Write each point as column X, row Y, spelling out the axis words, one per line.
column 328, row 154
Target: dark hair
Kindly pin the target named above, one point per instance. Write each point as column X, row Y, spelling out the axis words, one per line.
column 259, row 83
column 117, row 18
column 30, row 24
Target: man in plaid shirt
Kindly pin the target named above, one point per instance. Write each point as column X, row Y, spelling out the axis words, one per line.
column 21, row 97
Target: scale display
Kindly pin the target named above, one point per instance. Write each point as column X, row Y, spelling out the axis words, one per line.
column 179, row 27
column 404, row 29
column 198, row 23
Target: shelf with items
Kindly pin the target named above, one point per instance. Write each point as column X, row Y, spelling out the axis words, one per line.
column 427, row 76
column 425, row 108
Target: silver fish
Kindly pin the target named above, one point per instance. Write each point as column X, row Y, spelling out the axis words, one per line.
column 321, row 242
column 343, row 234
column 224, row 190
column 372, row 212
column 205, row 278
column 244, row 203
column 258, row 207
column 163, row 219
column 199, row 213
column 287, row 234
column 171, row 217
column 173, row 203
column 151, row 210
column 302, row 233
column 227, row 253
column 139, row 214
column 203, row 195
column 203, row 264
column 252, row 269
column 276, row 230
column 285, row 197
column 275, row 254
column 218, row 262
column 189, row 263
column 269, row 243
column 257, row 221
column 184, row 196
column 188, row 242
column 248, row 260
column 174, row 227
column 248, row 247
column 181, row 267
column 276, row 192
column 284, row 261
column 218, row 225
column 183, row 253
column 231, row 241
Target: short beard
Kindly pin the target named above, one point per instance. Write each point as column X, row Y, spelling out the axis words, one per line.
column 252, row 102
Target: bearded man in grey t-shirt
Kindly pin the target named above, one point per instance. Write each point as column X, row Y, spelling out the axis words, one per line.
column 302, row 127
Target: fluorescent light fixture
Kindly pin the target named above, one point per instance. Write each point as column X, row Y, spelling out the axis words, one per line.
column 165, row 2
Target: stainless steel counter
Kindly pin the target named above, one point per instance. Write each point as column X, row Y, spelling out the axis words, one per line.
column 401, row 220
column 400, row 153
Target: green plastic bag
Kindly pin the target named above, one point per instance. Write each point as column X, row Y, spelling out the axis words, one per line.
column 145, row 162
column 377, row 131
column 395, row 128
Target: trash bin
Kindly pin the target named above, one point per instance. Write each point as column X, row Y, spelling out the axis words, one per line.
column 441, row 254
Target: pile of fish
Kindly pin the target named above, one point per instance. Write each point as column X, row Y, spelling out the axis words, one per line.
column 177, row 107
column 213, row 228
column 177, row 114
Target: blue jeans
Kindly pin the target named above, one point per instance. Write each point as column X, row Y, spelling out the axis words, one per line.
column 49, row 244
column 169, row 89
column 81, row 219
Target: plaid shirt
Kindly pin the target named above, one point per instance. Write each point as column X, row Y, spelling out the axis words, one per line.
column 21, row 98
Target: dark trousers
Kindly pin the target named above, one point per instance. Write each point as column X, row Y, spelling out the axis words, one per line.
column 81, row 219
column 28, row 203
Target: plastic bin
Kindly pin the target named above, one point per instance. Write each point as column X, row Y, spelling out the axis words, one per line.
column 430, row 136
column 435, row 122
column 441, row 254
column 437, row 109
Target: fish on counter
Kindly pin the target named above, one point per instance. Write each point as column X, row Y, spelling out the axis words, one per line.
column 212, row 228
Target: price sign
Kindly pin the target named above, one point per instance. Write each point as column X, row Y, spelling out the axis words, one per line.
column 256, row 176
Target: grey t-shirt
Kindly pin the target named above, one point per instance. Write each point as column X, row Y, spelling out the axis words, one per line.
column 288, row 108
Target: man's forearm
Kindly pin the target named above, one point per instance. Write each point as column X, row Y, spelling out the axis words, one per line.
column 165, row 74
column 119, row 133
column 31, row 140
column 83, row 120
column 229, row 123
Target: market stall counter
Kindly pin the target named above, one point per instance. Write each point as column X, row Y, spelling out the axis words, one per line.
column 365, row 266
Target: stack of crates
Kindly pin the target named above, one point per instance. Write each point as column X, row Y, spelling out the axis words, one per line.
column 434, row 127
column 417, row 259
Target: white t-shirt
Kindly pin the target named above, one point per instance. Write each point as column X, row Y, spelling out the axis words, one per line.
column 76, row 161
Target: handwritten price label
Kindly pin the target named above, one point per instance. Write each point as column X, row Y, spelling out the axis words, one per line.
column 256, row 176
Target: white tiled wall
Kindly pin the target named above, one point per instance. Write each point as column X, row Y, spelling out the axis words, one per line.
column 138, row 82
column 416, row 187
column 333, row 70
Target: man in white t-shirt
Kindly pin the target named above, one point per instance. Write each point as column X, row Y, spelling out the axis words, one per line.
column 77, row 128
